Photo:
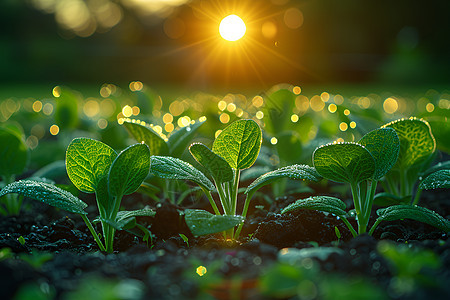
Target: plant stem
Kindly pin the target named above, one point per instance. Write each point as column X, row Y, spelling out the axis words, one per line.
column 244, row 213
column 350, row 227
column 403, row 183
column 358, row 204
column 369, row 199
column 223, row 198
column 94, row 234
column 235, row 190
column 211, row 200
column 392, row 186
column 417, row 196
column 372, row 229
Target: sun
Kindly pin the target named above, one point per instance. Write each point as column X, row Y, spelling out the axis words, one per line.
column 232, row 28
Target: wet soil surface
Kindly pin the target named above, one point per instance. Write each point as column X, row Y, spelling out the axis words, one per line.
column 57, row 257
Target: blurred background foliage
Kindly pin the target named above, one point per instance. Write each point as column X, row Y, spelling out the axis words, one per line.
column 175, row 42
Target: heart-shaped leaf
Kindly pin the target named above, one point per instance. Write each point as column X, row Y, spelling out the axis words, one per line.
column 201, row 222
column 322, row 203
column 87, row 161
column 344, row 162
column 299, row 172
column 180, row 138
column 144, row 133
column 416, row 141
column 13, row 152
column 421, row 214
column 239, row 144
column 436, row 180
column 47, row 193
column 384, row 145
column 174, row 168
column 128, row 170
column 217, row 166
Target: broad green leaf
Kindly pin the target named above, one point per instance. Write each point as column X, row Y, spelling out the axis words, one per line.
column 173, row 168
column 180, row 138
column 239, row 144
column 384, row 145
column 13, row 152
column 421, row 214
column 289, row 146
column 278, row 105
column 299, row 172
column 128, row 170
column 144, row 133
column 66, row 112
column 386, row 199
column 216, row 165
column 322, row 203
column 416, row 141
column 201, row 222
column 437, row 180
column 87, row 161
column 47, row 193
column 344, row 162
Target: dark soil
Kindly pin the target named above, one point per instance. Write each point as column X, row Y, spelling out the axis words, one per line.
column 168, row 267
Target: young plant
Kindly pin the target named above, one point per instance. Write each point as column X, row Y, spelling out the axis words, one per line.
column 174, row 146
column 94, row 167
column 417, row 146
column 236, row 148
column 14, row 158
column 362, row 165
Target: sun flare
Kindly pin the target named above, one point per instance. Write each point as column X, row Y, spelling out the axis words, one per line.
column 232, row 28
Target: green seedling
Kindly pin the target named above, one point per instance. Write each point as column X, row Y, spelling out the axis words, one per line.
column 94, row 167
column 21, row 240
column 14, row 158
column 362, row 165
column 417, row 146
column 174, row 145
column 184, row 238
column 236, row 148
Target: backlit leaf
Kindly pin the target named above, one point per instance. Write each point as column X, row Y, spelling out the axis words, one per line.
column 239, row 144
column 201, row 222
column 299, row 172
column 421, row 214
column 344, row 162
column 13, row 152
column 416, row 141
column 144, row 133
column 321, row 203
column 384, row 145
column 47, row 193
column 87, row 161
column 173, row 168
column 128, row 170
column 436, row 180
column 216, row 165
